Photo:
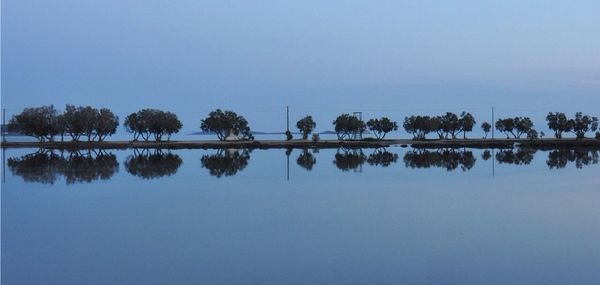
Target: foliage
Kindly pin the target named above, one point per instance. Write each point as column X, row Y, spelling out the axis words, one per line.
column 306, row 125
column 380, row 127
column 225, row 162
column 346, row 126
column 486, row 127
column 466, row 123
column 224, row 123
column 155, row 123
column 39, row 122
column 559, row 123
column 583, row 124
column 306, row 160
column 516, row 126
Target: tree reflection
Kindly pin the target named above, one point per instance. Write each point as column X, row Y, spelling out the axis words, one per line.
column 226, row 162
column 349, row 159
column 561, row 157
column 450, row 159
column 149, row 164
column 47, row 167
column 382, row 157
column 521, row 156
column 306, row 160
column 486, row 155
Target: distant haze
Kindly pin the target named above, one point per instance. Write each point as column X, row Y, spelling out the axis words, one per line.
column 322, row 58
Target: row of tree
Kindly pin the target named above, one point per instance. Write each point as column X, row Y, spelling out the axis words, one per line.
column 45, row 123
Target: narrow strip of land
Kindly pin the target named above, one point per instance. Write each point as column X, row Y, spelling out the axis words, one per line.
column 267, row 144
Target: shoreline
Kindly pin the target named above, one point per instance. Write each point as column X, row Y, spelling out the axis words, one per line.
column 302, row 144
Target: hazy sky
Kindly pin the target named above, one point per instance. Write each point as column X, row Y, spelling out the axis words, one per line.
column 320, row 57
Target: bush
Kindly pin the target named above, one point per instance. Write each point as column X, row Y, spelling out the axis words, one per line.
column 598, row 135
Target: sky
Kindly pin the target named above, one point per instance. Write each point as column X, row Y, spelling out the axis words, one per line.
column 322, row 58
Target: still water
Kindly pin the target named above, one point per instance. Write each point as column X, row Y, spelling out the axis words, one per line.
column 385, row 216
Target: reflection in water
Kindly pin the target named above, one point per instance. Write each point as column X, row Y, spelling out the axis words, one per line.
column 149, row 164
column 518, row 157
column 225, row 162
column 486, row 155
column 382, row 157
column 46, row 166
column 449, row 159
column 561, row 157
column 349, row 159
column 306, row 160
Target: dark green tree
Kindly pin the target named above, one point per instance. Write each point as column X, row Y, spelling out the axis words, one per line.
column 486, row 127
column 347, row 126
column 583, row 124
column 380, row 127
column 466, row 123
column 306, row 125
column 224, row 123
column 559, row 123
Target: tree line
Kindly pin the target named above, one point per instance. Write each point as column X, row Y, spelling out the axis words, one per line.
column 45, row 123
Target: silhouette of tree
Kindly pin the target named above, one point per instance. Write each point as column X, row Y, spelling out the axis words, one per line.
column 347, row 126
column 306, row 125
column 486, row 155
column 349, row 159
column 559, row 123
column 561, row 157
column 522, row 156
column 466, row 123
column 225, row 162
column 382, row 157
column 223, row 123
column 306, row 160
column 486, row 127
column 380, row 127
column 41, row 123
column 151, row 165
column 155, row 123
column 450, row 159
column 46, row 167
column 516, row 126
column 583, row 124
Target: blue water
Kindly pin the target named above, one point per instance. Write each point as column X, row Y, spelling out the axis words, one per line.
column 227, row 217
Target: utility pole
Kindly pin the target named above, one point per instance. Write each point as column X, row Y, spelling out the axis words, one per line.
column 493, row 124
column 287, row 109
column 4, row 124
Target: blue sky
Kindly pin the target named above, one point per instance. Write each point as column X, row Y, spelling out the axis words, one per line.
column 322, row 58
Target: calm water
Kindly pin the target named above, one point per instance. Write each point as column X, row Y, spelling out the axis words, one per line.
column 395, row 216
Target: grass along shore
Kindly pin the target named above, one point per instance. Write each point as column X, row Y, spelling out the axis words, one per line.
column 268, row 144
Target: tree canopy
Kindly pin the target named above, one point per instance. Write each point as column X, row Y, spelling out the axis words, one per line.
column 306, row 125
column 347, row 126
column 380, row 127
column 224, row 123
column 154, row 123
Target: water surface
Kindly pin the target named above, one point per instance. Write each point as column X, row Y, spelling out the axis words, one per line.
column 384, row 216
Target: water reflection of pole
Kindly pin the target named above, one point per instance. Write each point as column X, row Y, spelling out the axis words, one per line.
column 3, row 165
column 288, row 166
column 493, row 162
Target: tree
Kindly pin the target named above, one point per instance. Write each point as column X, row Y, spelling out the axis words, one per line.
column 106, row 124
column 347, row 125
column 506, row 126
column 380, row 127
column 172, row 125
column 155, row 123
column 486, row 127
column 583, row 124
column 73, row 123
column 306, row 125
column 559, row 123
column 224, row 123
column 419, row 126
column 523, row 125
column 451, row 125
column 39, row 122
column 466, row 123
